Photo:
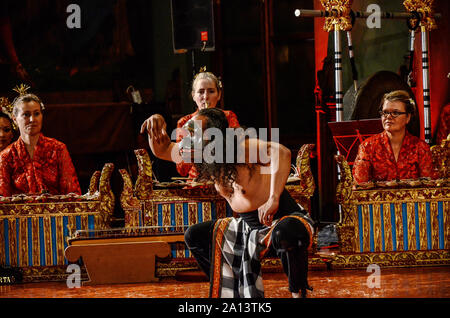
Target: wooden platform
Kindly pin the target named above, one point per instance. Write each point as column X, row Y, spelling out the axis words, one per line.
column 417, row 282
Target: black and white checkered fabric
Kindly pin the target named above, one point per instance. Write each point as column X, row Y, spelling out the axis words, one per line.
column 241, row 264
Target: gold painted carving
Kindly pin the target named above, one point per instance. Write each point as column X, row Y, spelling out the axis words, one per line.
column 145, row 198
column 94, row 182
column 392, row 259
column 392, row 205
column 94, row 200
column 425, row 9
column 305, row 188
column 307, row 185
column 441, row 158
column 339, row 10
column 23, row 213
column 144, row 183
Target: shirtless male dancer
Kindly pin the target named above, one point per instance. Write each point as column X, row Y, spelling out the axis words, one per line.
column 254, row 190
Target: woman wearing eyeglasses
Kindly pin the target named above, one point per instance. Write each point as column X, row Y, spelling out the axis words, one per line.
column 394, row 154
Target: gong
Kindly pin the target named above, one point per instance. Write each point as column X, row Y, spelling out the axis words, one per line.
column 365, row 102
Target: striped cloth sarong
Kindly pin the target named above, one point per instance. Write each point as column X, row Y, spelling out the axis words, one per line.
column 236, row 257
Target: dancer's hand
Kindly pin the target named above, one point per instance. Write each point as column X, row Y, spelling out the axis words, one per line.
column 155, row 126
column 268, row 210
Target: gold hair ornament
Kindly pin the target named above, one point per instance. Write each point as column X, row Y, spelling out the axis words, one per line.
column 7, row 108
column 203, row 70
column 22, row 90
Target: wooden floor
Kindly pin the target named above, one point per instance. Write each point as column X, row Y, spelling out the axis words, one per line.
column 413, row 282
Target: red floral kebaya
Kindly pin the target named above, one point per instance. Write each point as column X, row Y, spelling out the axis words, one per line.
column 444, row 124
column 185, row 169
column 51, row 169
column 375, row 160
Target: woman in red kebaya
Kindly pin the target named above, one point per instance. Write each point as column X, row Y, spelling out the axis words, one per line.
column 206, row 93
column 394, row 154
column 6, row 131
column 34, row 163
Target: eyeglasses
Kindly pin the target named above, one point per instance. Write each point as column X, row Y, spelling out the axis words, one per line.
column 393, row 114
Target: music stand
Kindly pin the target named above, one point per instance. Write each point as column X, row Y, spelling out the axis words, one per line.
column 348, row 135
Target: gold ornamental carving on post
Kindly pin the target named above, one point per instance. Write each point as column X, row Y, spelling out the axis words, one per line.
column 425, row 10
column 339, row 11
column 346, row 226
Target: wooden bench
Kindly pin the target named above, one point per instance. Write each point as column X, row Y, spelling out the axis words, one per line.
column 120, row 255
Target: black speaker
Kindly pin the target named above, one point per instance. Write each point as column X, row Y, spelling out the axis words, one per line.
column 192, row 25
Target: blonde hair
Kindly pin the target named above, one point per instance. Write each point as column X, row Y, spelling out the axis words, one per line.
column 208, row 76
column 26, row 98
column 401, row 96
